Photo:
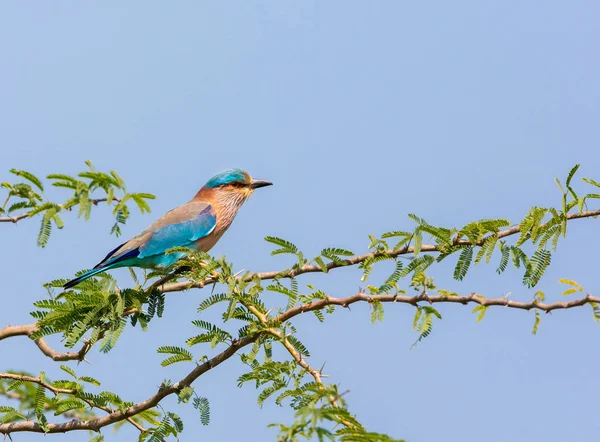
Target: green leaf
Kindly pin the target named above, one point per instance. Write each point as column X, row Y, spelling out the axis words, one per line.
column 29, row 177
column 178, row 355
column 482, row 310
column 576, row 287
column 504, row 258
column 319, row 261
column 202, row 405
column 285, row 246
column 89, row 380
column 69, row 371
column 463, row 264
column 185, row 394
column 536, row 268
column 298, row 346
column 68, row 405
column 377, row 312
column 44, row 234
column 536, row 323
column 40, row 396
column 418, row 237
column 568, row 182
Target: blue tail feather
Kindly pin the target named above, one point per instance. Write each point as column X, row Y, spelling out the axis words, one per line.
column 103, row 266
column 86, row 275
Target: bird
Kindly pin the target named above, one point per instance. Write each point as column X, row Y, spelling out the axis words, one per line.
column 198, row 224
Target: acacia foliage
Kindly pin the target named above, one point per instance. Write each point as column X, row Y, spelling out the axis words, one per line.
column 97, row 312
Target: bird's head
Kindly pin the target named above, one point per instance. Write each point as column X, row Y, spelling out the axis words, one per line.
column 232, row 186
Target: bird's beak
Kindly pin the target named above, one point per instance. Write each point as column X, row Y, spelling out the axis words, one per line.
column 255, row 184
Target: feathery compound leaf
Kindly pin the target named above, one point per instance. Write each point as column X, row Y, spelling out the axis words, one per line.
column 536, row 322
column 179, row 355
column 494, row 225
column 90, row 380
column 212, row 300
column 487, row 248
column 537, row 266
column 482, row 310
column 44, row 234
column 69, row 371
column 29, row 177
column 202, row 405
column 68, row 405
column 112, row 336
column 418, row 238
column 286, row 246
column 19, row 205
column 269, row 391
column 423, row 322
column 463, row 264
column 418, row 264
column 40, row 396
column 396, row 233
column 518, row 257
column 443, row 235
column 319, row 261
column 576, row 287
column 14, row 385
column 367, row 265
column 377, row 312
column 177, row 422
column 334, row 254
column 569, row 178
column 298, row 346
column 392, row 280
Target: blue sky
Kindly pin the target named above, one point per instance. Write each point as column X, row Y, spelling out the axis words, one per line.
column 360, row 113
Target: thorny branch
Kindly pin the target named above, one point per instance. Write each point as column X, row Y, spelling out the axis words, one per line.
column 354, row 260
column 96, row 424
column 164, row 391
column 162, row 285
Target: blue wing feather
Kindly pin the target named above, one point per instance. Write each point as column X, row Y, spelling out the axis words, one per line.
column 180, row 234
column 150, row 252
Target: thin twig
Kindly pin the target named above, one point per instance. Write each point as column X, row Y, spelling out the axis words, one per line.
column 19, row 217
column 39, row 381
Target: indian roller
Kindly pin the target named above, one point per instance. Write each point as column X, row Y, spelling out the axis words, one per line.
column 198, row 224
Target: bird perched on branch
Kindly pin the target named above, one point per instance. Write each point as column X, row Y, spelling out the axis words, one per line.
column 198, row 224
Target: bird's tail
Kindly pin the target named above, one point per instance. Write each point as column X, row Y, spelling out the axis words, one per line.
column 86, row 275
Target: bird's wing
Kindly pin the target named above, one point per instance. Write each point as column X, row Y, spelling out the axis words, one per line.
column 178, row 227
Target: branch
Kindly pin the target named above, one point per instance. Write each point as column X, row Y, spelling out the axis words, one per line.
column 352, row 261
column 17, row 218
column 47, row 386
column 414, row 300
column 116, row 416
column 164, row 391
column 162, row 285
column 29, row 329
column 316, row 374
